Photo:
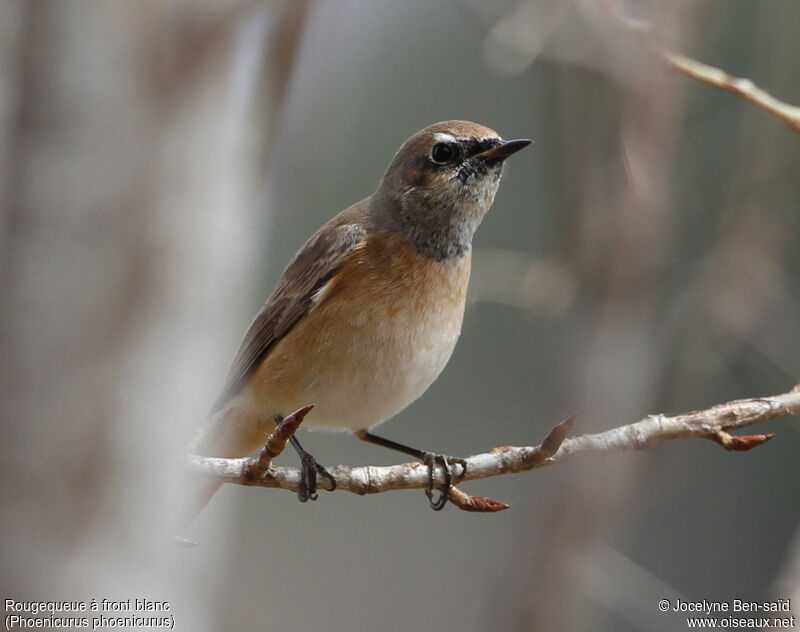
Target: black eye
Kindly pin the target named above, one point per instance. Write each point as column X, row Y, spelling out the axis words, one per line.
column 442, row 153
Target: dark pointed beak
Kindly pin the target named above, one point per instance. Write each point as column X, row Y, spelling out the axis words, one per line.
column 504, row 150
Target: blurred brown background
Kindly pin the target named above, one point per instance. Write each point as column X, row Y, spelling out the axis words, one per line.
column 161, row 161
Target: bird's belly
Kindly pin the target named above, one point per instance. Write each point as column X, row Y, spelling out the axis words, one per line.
column 362, row 361
column 377, row 373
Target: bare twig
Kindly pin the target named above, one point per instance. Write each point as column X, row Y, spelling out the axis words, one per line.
column 478, row 504
column 745, row 88
column 711, row 75
column 713, row 423
column 277, row 441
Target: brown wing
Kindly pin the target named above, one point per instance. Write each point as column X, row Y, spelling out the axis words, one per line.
column 317, row 262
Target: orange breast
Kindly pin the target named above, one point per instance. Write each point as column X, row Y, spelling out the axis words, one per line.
column 381, row 333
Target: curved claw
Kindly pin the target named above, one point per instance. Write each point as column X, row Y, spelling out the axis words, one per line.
column 328, row 475
column 431, row 460
column 309, row 469
column 308, row 478
column 463, row 464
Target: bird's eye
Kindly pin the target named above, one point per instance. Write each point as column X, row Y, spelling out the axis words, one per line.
column 442, row 153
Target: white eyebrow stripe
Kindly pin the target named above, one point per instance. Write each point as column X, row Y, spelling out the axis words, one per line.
column 442, row 137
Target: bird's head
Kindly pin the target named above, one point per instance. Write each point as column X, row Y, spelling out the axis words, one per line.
column 441, row 183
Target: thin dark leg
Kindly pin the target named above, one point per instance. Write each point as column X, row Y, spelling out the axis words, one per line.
column 309, row 469
column 392, row 445
column 428, row 458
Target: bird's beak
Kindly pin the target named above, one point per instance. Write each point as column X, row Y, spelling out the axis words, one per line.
column 504, row 150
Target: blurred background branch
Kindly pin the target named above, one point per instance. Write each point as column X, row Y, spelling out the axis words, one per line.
column 709, row 75
column 745, row 88
column 133, row 141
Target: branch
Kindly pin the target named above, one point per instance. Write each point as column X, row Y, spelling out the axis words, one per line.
column 276, row 442
column 710, row 75
column 745, row 88
column 713, row 423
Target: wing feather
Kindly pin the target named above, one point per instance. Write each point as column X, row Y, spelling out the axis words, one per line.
column 317, row 262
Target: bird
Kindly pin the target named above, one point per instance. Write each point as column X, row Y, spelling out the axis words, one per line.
column 368, row 312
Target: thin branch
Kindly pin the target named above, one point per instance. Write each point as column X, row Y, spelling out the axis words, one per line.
column 745, row 88
column 277, row 441
column 711, row 75
column 713, row 423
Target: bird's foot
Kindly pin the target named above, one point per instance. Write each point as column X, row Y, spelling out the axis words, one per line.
column 309, row 469
column 447, row 462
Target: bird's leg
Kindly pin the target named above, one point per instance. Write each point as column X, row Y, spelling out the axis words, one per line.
column 309, row 469
column 428, row 458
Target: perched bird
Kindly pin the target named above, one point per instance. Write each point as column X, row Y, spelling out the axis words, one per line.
column 368, row 312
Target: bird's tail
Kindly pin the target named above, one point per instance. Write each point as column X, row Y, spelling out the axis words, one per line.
column 200, row 499
column 228, row 433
